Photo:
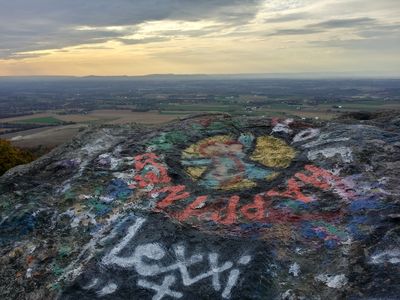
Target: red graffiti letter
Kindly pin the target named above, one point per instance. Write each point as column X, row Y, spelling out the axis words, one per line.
column 325, row 180
column 175, row 193
column 230, row 217
column 254, row 211
column 319, row 178
column 193, row 209
column 293, row 191
column 157, row 174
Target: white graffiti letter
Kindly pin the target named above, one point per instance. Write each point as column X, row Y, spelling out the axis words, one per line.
column 112, row 258
column 163, row 289
column 150, row 251
column 234, row 276
column 213, row 272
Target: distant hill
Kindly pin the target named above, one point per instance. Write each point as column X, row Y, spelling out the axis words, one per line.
column 308, row 75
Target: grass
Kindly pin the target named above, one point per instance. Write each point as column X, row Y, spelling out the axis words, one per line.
column 42, row 120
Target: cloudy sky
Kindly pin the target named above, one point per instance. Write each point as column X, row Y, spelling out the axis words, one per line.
column 133, row 37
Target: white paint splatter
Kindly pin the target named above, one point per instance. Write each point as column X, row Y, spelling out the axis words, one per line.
column 85, row 218
column 150, row 149
column 283, row 127
column 106, row 199
column 85, row 155
column 333, row 281
column 294, row 269
column 107, row 158
column 75, row 268
column 95, row 146
column 91, row 284
column 127, row 176
column 115, row 162
column 288, row 295
column 84, row 197
column 306, row 135
column 324, row 139
column 244, row 260
column 391, row 256
column 201, row 205
column 31, row 248
column 117, row 150
column 149, row 187
column 345, row 153
column 79, row 217
column 108, row 289
column 29, row 273
column 154, row 195
column 64, row 188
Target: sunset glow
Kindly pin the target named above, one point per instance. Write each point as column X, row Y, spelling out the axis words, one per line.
column 220, row 37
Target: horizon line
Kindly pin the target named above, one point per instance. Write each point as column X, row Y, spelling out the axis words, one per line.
column 311, row 75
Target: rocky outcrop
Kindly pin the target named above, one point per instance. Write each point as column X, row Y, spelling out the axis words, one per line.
column 210, row 207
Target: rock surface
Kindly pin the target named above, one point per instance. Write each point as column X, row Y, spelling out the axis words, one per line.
column 211, row 207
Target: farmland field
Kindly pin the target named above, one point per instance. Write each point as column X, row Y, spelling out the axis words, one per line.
column 47, row 120
column 57, row 132
column 47, row 137
column 117, row 116
column 54, row 135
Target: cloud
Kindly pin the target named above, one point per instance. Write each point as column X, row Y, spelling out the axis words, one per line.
column 26, row 55
column 127, row 41
column 301, row 31
column 357, row 24
column 369, row 35
column 90, row 48
column 379, row 45
column 289, row 17
column 344, row 23
column 27, row 25
column 18, row 40
column 391, row 30
column 196, row 35
column 285, row 5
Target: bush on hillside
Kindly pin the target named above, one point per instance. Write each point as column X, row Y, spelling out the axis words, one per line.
column 11, row 156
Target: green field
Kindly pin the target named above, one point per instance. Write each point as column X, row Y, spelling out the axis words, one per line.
column 42, row 120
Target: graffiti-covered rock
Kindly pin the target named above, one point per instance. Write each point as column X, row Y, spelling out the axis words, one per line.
column 210, row 207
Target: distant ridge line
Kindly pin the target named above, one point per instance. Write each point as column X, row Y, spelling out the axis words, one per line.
column 169, row 76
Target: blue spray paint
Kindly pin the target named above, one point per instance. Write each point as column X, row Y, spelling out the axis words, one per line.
column 118, row 189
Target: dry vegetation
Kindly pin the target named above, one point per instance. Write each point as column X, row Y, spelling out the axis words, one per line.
column 12, row 156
